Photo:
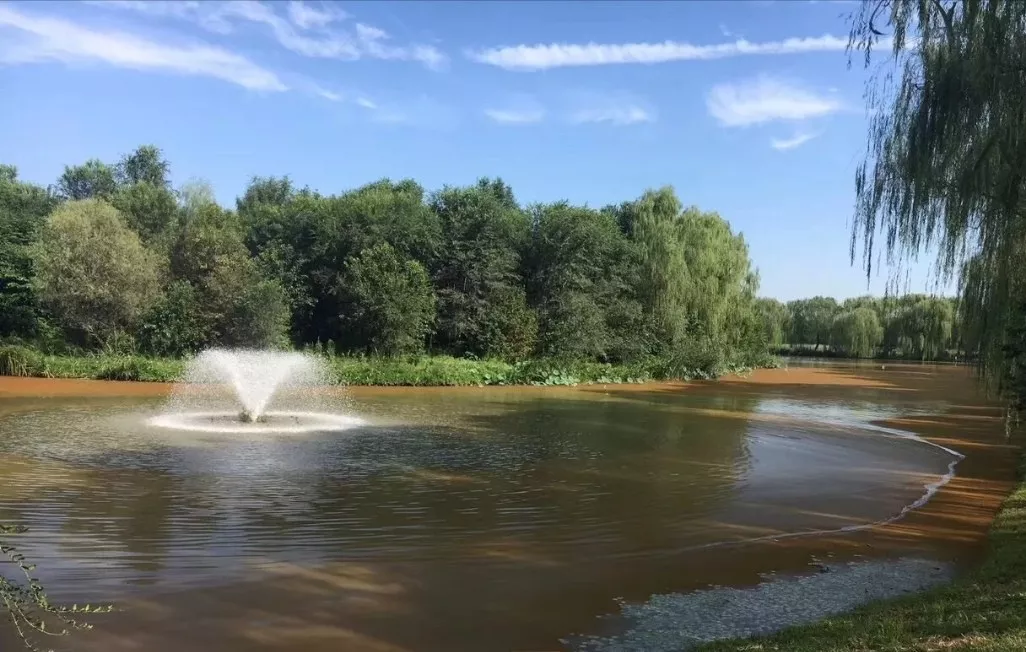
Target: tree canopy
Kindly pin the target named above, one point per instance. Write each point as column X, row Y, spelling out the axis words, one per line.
column 389, row 268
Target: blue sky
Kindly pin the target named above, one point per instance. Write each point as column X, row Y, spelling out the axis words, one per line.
column 746, row 108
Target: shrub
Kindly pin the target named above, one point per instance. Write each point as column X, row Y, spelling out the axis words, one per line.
column 19, row 361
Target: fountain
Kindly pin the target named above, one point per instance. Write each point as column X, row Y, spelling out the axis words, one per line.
column 235, row 391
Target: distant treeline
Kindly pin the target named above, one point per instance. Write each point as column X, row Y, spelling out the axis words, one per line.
column 113, row 258
column 913, row 326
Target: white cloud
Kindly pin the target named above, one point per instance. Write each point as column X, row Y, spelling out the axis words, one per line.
column 515, row 116
column 51, row 39
column 765, row 99
column 331, row 96
column 627, row 114
column 306, row 30
column 556, row 55
column 366, row 103
column 305, row 16
column 790, row 143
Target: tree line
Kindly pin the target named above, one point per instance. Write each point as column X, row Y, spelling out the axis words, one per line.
column 112, row 257
column 913, row 326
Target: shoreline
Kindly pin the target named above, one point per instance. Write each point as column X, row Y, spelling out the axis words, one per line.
column 979, row 609
column 976, row 507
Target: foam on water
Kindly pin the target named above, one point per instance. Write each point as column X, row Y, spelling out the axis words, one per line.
column 283, row 422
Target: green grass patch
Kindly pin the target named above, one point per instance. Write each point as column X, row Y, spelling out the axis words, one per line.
column 985, row 611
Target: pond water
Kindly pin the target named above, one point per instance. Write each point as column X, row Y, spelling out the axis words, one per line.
column 457, row 519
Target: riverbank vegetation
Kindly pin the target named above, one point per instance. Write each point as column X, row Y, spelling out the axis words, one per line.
column 409, row 370
column 910, row 327
column 111, row 272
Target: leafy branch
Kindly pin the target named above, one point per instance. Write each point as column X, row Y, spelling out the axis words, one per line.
column 27, row 604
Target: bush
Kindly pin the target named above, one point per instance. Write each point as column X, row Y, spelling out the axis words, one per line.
column 135, row 368
column 93, row 272
column 174, row 326
column 19, row 361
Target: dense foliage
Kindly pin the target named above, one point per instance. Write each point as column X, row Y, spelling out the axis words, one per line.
column 913, row 326
column 945, row 161
column 114, row 259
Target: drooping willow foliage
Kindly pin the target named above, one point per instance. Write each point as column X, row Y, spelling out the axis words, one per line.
column 30, row 611
column 945, row 167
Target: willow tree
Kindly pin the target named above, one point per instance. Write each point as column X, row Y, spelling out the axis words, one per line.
column 856, row 332
column 945, row 167
column 654, row 220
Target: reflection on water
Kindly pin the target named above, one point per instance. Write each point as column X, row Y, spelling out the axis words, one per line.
column 593, row 485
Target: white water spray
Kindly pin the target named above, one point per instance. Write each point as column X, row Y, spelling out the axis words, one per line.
column 235, row 391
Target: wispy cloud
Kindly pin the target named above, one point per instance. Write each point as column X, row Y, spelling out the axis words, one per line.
column 765, row 99
column 515, row 116
column 366, row 103
column 305, row 16
column 556, row 55
column 38, row 39
column 790, row 143
column 628, row 114
column 308, row 30
column 331, row 96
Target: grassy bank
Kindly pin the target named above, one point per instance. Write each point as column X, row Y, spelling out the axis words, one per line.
column 410, row 371
column 983, row 611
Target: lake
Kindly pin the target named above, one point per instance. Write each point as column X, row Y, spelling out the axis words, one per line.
column 486, row 518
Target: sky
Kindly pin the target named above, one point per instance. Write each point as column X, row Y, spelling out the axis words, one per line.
column 748, row 108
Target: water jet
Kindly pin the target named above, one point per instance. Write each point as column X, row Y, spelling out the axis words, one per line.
column 234, row 390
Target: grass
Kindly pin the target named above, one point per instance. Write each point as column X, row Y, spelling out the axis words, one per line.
column 985, row 611
column 17, row 360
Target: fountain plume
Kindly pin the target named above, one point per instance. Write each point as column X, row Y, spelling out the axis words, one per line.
column 252, row 391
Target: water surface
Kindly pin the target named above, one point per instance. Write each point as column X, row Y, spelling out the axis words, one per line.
column 474, row 519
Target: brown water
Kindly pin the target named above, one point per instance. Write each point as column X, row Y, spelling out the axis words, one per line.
column 479, row 519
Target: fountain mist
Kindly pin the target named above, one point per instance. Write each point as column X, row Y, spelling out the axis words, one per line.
column 253, row 391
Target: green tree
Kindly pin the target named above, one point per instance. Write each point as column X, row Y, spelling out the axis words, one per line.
column 480, row 296
column 237, row 305
column 922, row 329
column 944, row 164
column 23, row 211
column 92, row 271
column 148, row 209
column 92, row 179
column 653, row 220
column 574, row 269
column 388, row 306
column 773, row 316
column 720, row 286
column 175, row 325
column 811, row 320
column 145, row 165
column 856, row 332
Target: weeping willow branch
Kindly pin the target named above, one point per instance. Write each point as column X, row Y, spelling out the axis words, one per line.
column 945, row 165
column 30, row 611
